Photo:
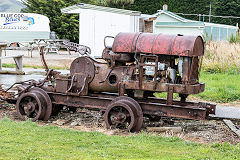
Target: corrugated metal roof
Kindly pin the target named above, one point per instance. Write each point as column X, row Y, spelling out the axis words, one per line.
column 183, row 24
column 70, row 8
column 99, row 8
column 220, row 25
column 175, row 15
column 171, row 14
column 147, row 16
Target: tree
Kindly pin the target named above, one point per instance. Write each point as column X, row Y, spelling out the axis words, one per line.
column 65, row 25
column 227, row 8
column 177, row 6
column 118, row 3
column 219, row 8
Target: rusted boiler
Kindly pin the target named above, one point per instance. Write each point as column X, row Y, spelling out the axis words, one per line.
column 121, row 84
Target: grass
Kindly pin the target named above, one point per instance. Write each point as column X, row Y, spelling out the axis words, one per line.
column 221, row 72
column 222, row 57
column 32, row 66
column 26, row 140
column 234, row 39
column 220, row 87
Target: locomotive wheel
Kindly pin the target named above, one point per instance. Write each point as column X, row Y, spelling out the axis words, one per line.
column 34, row 105
column 47, row 103
column 120, row 115
column 29, row 106
column 124, row 113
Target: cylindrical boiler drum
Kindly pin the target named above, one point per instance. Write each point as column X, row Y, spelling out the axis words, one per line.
column 158, row 44
column 101, row 77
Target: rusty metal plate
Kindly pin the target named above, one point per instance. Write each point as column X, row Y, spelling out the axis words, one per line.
column 163, row 87
column 61, row 85
column 83, row 65
column 158, row 44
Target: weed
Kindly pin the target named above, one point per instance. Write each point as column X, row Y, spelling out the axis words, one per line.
column 206, row 37
column 234, row 39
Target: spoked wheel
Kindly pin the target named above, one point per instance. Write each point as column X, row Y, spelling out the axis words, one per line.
column 34, row 105
column 29, row 107
column 46, row 102
column 124, row 113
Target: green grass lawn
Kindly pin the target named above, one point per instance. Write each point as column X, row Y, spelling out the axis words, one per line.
column 31, row 66
column 27, row 140
column 219, row 87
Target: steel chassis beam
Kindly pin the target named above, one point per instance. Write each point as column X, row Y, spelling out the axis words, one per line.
column 150, row 106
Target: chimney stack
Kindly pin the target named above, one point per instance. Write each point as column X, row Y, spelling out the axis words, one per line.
column 165, row 7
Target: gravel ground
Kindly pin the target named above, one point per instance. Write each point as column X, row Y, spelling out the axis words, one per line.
column 63, row 59
column 209, row 131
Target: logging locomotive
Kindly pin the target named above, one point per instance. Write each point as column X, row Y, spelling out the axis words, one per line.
column 121, row 84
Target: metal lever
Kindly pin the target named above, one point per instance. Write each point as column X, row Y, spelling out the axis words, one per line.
column 81, row 49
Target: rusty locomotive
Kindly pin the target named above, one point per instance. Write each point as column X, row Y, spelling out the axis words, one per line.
column 121, row 84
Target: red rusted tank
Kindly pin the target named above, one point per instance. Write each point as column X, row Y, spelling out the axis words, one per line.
column 158, row 44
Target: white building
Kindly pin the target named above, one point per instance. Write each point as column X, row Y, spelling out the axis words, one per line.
column 96, row 22
column 167, row 22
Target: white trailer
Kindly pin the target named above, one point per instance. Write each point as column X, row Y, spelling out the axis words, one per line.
column 23, row 27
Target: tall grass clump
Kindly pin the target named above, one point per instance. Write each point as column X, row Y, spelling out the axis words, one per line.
column 221, row 72
column 206, row 37
column 222, row 57
column 234, row 39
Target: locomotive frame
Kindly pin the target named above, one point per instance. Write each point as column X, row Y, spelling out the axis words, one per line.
column 122, row 83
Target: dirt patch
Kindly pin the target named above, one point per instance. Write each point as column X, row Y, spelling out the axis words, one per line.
column 230, row 104
column 209, row 131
